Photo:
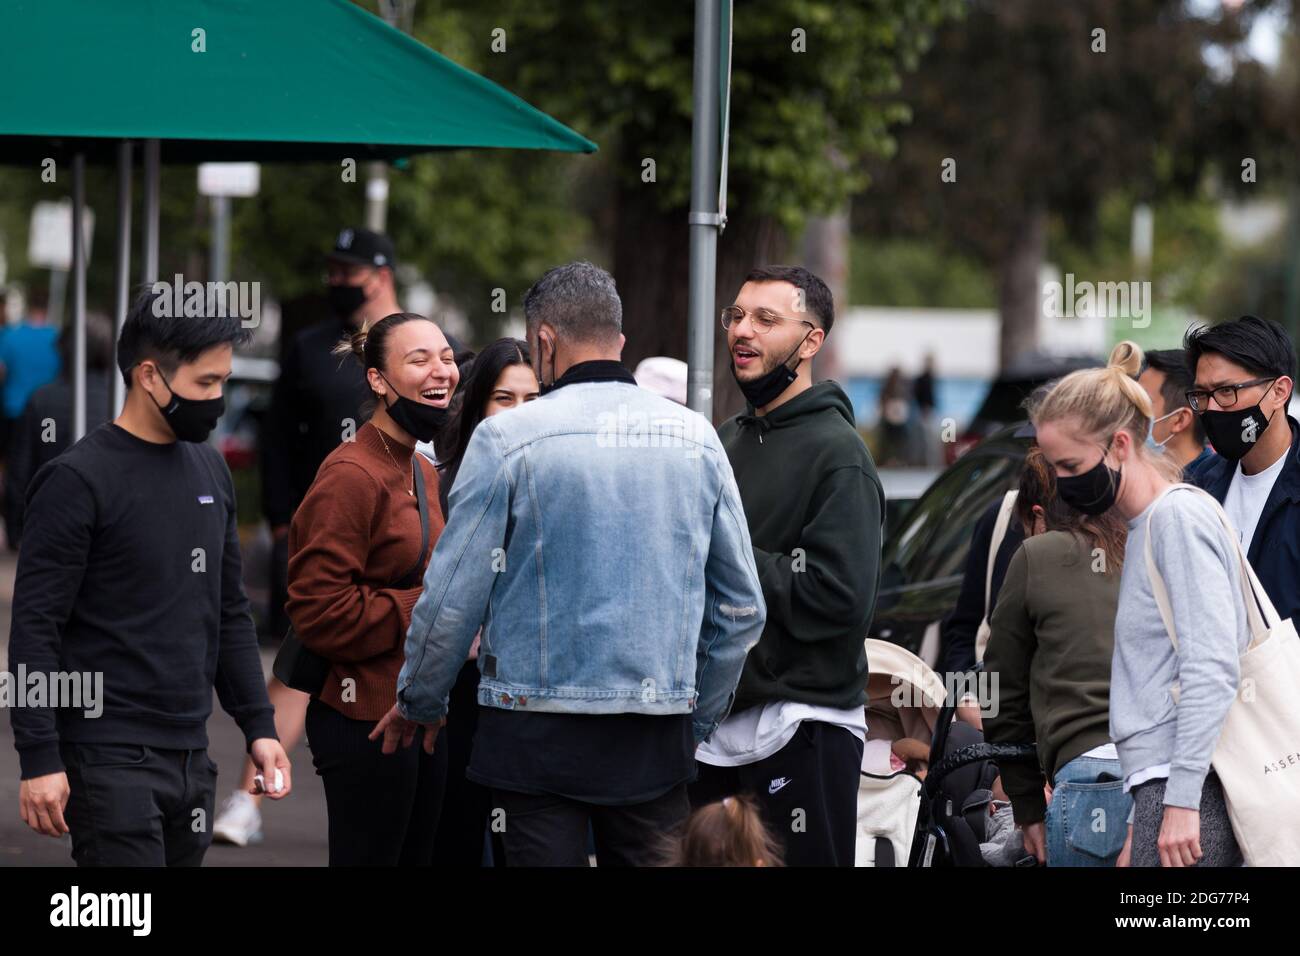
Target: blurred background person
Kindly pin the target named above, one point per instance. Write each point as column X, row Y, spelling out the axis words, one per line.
column 29, row 358
column 923, row 387
column 501, row 378
column 663, row 375
column 44, row 429
column 1174, row 426
column 895, row 420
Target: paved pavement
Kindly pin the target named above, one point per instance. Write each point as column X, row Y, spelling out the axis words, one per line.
column 295, row 827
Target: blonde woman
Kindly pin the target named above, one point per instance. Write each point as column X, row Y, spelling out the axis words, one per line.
column 1092, row 427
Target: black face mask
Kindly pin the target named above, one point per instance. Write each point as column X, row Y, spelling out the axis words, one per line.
column 768, row 387
column 1092, row 492
column 1233, row 434
column 544, row 387
column 344, row 300
column 422, row 422
column 190, row 419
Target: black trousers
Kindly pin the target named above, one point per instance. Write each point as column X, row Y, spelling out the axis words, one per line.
column 132, row 805
column 277, row 618
column 464, row 820
column 545, row 830
column 383, row 808
column 807, row 791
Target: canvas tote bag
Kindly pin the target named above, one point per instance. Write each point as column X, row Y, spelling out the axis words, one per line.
column 995, row 543
column 1257, row 756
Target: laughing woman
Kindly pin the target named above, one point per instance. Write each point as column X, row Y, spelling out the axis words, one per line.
column 355, row 571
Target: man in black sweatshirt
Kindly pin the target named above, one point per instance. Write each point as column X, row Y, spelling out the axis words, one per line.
column 814, row 504
column 130, row 569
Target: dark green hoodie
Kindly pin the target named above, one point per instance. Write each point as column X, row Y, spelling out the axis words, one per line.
column 815, row 509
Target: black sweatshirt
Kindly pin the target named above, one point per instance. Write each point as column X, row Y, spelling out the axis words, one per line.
column 130, row 566
column 814, row 506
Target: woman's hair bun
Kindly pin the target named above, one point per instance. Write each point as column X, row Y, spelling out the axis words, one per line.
column 1126, row 356
column 354, row 343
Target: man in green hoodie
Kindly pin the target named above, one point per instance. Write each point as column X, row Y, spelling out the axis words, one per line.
column 795, row 735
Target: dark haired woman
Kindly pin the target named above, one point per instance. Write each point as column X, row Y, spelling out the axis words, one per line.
column 500, row 378
column 354, row 575
column 1050, row 649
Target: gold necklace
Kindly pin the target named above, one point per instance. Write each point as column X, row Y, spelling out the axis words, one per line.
column 410, row 491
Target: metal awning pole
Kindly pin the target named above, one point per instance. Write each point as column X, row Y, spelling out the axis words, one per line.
column 123, row 277
column 704, row 219
column 78, row 296
column 151, row 211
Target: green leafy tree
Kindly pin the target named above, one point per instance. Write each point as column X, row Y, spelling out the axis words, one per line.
column 1043, row 110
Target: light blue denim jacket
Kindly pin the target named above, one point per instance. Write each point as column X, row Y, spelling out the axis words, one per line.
column 596, row 536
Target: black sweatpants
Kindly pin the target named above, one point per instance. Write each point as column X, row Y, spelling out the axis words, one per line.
column 132, row 805
column 545, row 830
column 807, row 790
column 383, row 808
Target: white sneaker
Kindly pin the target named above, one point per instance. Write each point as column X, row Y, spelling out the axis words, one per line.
column 239, row 821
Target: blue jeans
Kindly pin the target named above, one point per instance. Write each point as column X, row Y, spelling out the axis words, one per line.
column 1087, row 819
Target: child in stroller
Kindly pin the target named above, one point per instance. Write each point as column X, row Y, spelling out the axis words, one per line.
column 929, row 781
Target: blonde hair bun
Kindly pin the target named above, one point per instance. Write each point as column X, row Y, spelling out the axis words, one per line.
column 1127, row 356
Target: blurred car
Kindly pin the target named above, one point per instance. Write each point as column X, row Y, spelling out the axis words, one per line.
column 248, row 395
column 1003, row 403
column 237, row 436
column 903, row 488
column 924, row 556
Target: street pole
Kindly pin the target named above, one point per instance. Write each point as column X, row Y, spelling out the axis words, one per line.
column 219, row 268
column 704, row 220
column 78, row 297
column 123, row 264
column 152, row 208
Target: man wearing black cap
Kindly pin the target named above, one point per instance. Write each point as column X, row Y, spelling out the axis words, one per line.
column 317, row 396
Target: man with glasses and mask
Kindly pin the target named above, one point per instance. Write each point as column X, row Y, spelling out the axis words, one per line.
column 1243, row 375
column 794, row 738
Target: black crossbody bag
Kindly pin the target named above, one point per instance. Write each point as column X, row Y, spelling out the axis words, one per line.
column 302, row 669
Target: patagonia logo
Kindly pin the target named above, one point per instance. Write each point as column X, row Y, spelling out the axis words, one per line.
column 205, row 499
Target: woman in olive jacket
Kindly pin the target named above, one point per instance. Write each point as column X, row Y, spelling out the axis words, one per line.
column 1049, row 660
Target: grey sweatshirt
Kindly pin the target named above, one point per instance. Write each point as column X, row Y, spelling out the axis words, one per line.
column 1199, row 566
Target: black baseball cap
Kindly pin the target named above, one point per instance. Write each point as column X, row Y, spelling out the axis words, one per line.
column 363, row 247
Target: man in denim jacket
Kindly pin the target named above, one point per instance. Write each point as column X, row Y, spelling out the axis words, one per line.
column 596, row 537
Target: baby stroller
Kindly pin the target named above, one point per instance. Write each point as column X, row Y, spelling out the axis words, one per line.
column 939, row 821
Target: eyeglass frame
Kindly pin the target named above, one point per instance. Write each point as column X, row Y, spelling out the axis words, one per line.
column 1191, row 393
column 746, row 315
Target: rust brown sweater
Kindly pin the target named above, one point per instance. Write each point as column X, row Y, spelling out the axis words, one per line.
column 356, row 532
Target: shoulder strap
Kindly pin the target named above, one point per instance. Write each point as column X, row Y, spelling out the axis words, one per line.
column 423, row 504
column 1260, row 613
column 995, row 544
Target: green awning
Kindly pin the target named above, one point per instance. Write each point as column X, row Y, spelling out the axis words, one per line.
column 279, row 80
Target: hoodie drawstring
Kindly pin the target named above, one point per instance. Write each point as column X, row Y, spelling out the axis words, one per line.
column 758, row 422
